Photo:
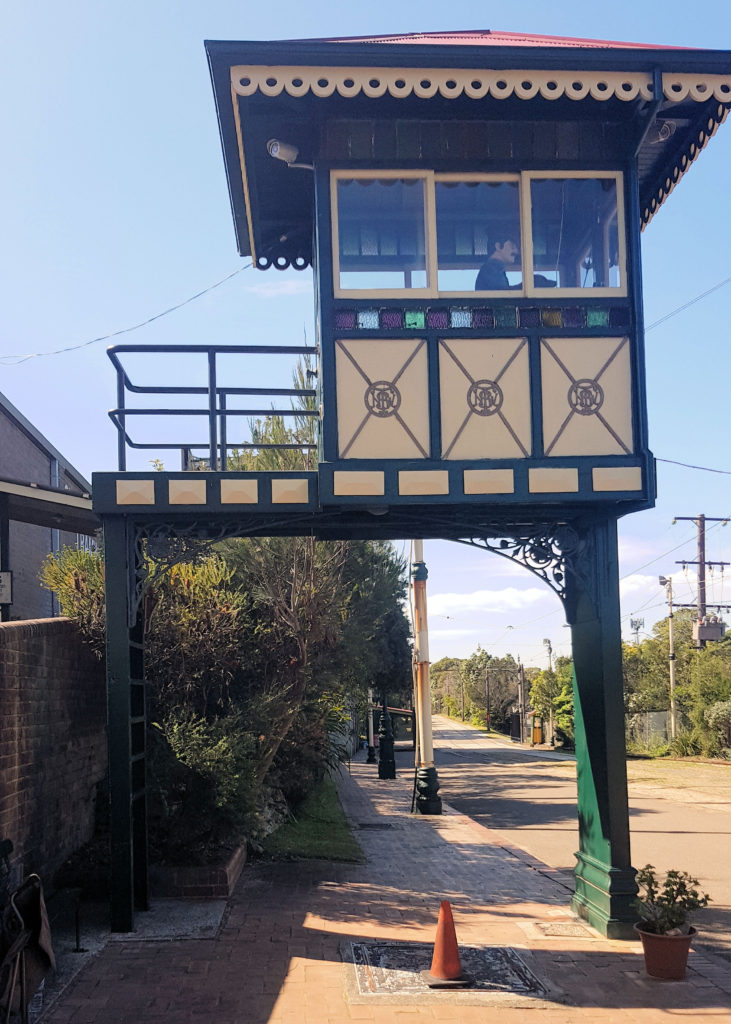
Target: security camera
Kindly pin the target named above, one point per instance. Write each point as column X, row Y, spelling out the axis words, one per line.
column 282, row 151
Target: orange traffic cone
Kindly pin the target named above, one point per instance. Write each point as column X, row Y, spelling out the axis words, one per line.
column 446, row 968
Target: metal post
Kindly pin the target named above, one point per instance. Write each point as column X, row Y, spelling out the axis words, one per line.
column 386, row 759
column 371, row 759
column 427, row 783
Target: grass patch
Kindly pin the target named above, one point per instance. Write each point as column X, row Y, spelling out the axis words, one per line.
column 318, row 832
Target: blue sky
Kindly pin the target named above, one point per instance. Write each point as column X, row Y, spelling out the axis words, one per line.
column 115, row 208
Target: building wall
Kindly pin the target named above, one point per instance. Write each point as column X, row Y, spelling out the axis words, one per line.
column 23, row 460
column 52, row 742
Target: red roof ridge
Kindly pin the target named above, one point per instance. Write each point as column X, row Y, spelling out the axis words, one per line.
column 493, row 37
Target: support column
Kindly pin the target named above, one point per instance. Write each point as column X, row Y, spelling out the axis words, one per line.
column 605, row 878
column 428, row 800
column 126, row 728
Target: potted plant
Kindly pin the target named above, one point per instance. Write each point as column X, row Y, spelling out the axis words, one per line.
column 664, row 928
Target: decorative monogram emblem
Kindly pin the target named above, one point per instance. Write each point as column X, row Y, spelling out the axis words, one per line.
column 485, row 397
column 382, row 398
column 586, row 397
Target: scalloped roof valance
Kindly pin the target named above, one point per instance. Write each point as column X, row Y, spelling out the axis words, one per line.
column 477, row 83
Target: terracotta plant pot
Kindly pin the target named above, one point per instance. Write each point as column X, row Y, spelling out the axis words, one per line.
column 666, row 956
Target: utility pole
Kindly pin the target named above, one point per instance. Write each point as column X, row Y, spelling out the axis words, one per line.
column 487, row 698
column 701, row 562
column 521, row 699
column 667, row 582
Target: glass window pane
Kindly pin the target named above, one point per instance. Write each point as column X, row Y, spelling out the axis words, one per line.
column 575, row 237
column 381, row 233
column 478, row 235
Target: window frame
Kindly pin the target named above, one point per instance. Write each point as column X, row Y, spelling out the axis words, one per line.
column 427, row 176
column 527, row 241
column 430, row 178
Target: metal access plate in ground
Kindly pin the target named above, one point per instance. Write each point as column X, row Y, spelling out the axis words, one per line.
column 391, row 971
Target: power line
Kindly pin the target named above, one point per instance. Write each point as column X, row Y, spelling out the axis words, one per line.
column 687, row 305
column 16, row 360
column 688, row 465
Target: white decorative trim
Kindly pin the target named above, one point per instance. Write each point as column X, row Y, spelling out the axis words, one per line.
column 476, row 84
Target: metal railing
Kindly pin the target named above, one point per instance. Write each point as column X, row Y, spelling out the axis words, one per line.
column 215, row 410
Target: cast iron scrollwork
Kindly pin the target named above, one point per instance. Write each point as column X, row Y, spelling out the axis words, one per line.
column 550, row 552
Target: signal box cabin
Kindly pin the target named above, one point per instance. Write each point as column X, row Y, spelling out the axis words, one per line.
column 471, row 205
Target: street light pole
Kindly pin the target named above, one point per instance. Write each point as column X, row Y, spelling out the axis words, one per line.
column 667, row 582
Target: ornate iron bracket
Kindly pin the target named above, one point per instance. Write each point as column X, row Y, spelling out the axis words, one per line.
column 551, row 551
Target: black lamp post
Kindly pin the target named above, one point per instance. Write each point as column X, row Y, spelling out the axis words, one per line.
column 386, row 760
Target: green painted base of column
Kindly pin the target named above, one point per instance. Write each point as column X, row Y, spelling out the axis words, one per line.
column 427, row 789
column 604, row 897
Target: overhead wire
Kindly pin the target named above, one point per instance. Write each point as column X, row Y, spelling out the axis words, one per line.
column 16, row 360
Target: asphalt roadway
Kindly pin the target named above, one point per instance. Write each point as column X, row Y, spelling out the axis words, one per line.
column 680, row 811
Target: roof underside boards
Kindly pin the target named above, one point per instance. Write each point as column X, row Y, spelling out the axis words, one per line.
column 298, row 91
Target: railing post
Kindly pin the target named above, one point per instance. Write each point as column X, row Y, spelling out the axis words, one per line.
column 121, row 438
column 223, row 435
column 212, row 411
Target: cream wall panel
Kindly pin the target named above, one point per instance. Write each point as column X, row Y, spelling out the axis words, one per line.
column 485, row 398
column 382, row 398
column 135, row 492
column 489, row 481
column 187, row 492
column 617, row 478
column 587, row 396
column 239, row 492
column 290, row 492
column 550, row 481
column 426, row 481
column 366, row 482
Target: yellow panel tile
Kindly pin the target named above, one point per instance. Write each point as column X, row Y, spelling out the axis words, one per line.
column 135, row 492
column 358, row 482
column 187, row 492
column 489, row 481
column 423, row 481
column 617, row 478
column 290, row 492
column 548, row 481
column 239, row 492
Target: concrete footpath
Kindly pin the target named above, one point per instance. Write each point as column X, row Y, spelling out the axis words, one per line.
column 322, row 943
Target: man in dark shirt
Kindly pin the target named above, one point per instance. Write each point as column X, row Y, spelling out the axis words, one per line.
column 492, row 276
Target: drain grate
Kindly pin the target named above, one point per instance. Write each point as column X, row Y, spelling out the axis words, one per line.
column 374, row 825
column 393, row 968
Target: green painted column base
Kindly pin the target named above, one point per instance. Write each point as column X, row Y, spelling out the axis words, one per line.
column 427, row 789
column 604, row 897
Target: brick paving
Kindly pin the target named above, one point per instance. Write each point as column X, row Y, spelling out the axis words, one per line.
column 278, row 956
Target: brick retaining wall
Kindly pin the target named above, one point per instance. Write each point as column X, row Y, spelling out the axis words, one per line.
column 53, row 747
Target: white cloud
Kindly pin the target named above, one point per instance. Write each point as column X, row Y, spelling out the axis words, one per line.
column 509, row 598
